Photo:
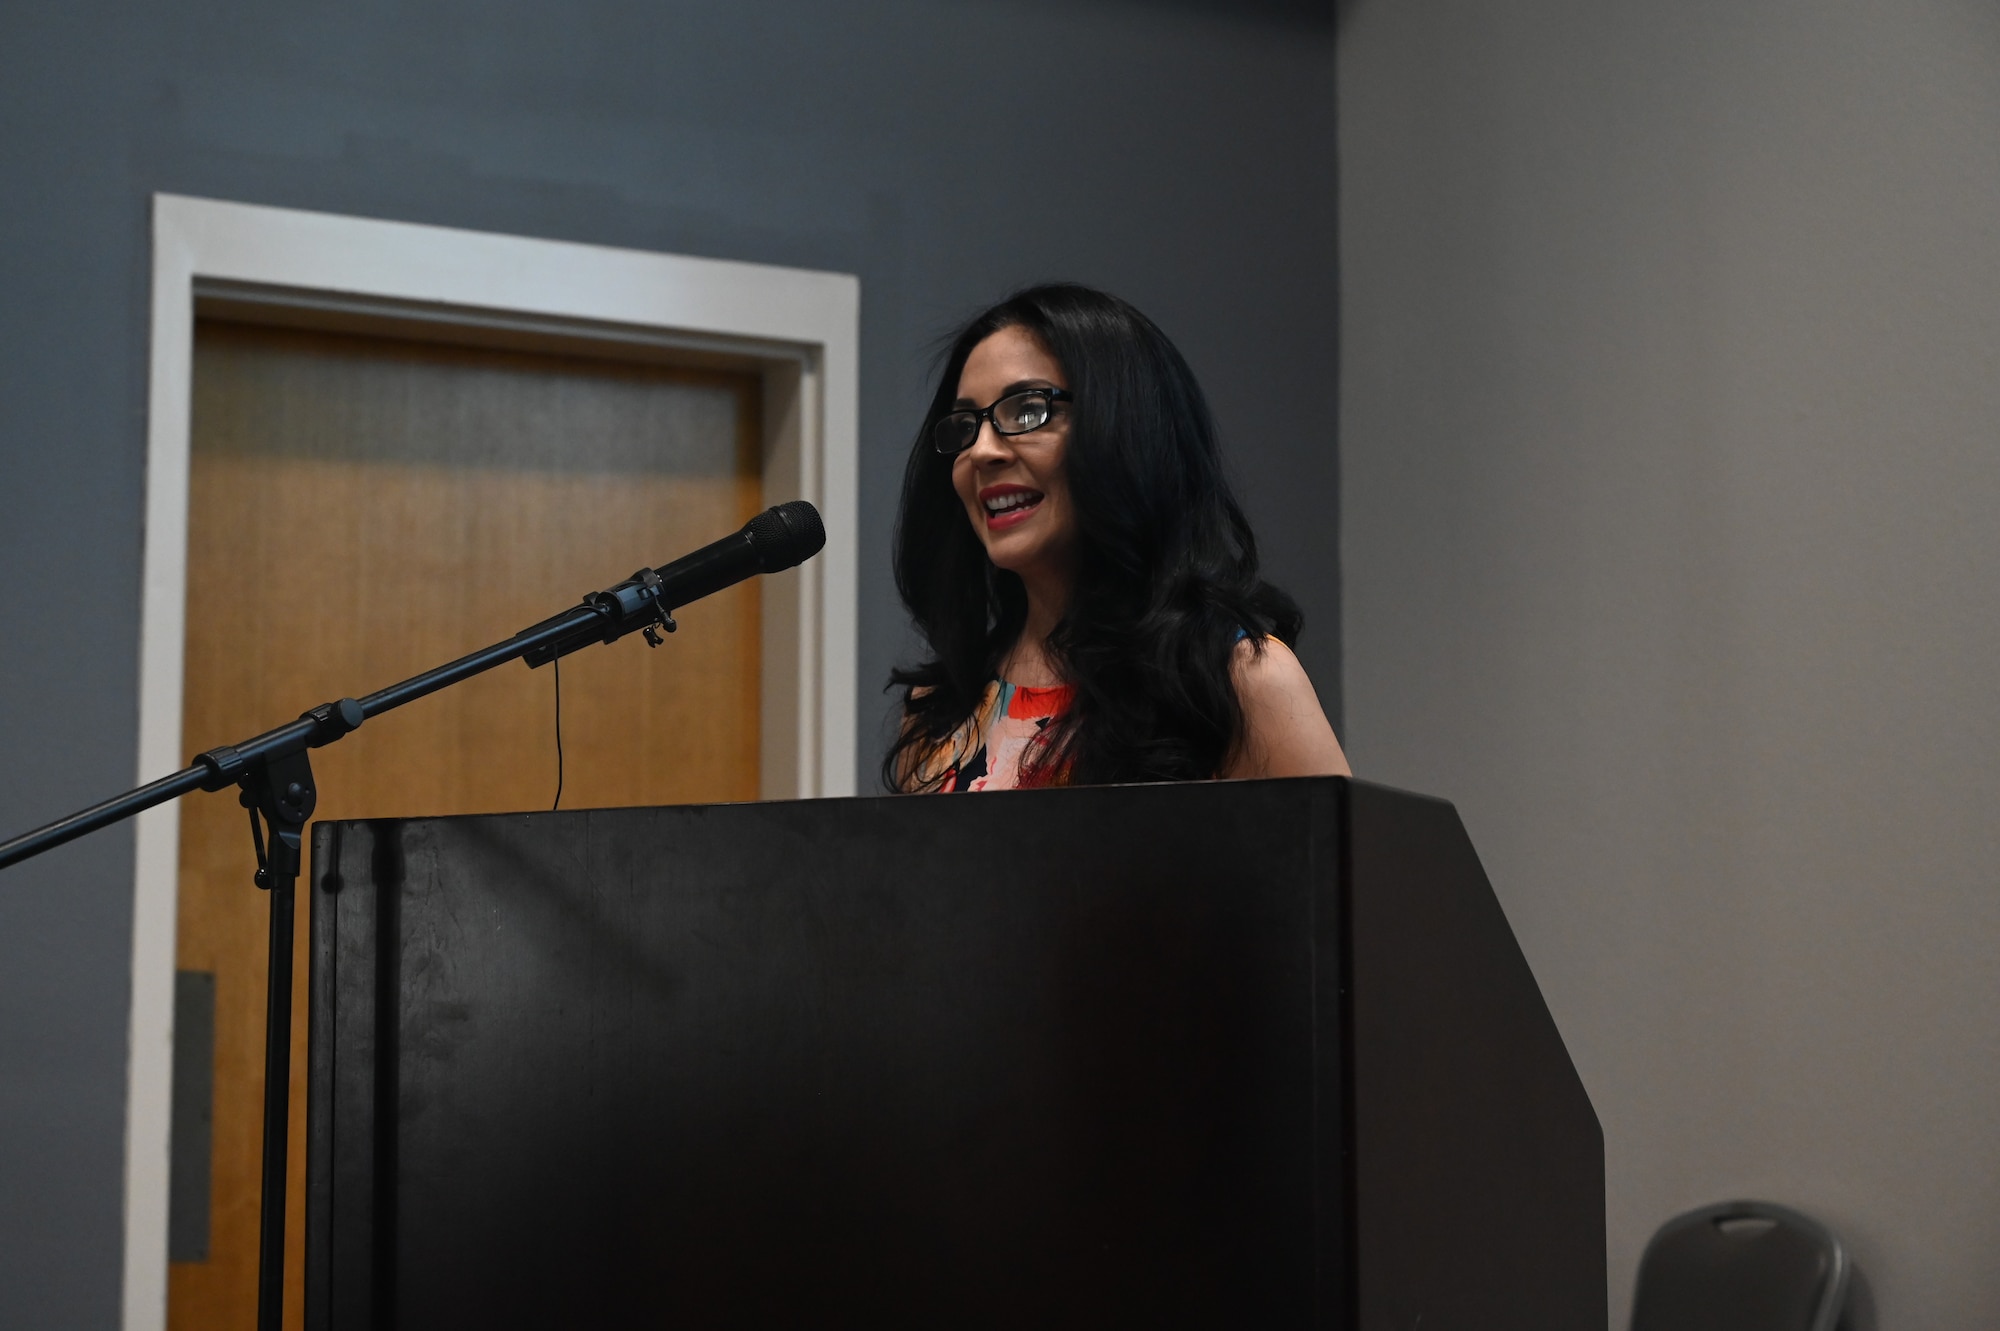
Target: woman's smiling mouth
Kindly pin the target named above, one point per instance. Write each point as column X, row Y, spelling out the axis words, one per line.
column 1008, row 505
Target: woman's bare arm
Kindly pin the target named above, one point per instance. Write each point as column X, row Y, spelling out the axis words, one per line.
column 1285, row 731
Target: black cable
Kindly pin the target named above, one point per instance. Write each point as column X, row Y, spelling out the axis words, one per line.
column 559, row 753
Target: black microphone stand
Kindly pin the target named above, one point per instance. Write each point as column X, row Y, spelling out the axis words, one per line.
column 274, row 773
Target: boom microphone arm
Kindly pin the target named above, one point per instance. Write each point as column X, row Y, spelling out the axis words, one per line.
column 778, row 538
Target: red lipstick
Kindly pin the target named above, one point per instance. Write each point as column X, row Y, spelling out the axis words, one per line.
column 1008, row 505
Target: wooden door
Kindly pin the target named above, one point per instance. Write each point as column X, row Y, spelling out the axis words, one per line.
column 362, row 509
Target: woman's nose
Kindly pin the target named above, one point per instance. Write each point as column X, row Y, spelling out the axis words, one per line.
column 989, row 445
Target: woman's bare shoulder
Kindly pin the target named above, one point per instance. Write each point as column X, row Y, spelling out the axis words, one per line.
column 1285, row 730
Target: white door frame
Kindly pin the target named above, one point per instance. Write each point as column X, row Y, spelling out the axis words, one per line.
column 799, row 328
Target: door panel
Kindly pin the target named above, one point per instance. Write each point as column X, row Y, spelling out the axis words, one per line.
column 362, row 509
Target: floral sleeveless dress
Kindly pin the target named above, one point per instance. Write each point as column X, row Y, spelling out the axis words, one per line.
column 998, row 746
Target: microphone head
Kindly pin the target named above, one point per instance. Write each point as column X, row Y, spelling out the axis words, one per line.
column 786, row 536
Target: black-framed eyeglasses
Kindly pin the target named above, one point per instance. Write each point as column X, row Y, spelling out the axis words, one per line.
column 1017, row 413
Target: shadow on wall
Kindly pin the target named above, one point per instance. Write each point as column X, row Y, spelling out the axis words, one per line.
column 1859, row 1315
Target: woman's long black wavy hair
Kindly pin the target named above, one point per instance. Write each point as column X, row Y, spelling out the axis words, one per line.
column 1166, row 578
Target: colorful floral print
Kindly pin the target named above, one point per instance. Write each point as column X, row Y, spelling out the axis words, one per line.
column 999, row 746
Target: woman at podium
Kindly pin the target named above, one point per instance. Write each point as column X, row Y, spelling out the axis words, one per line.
column 1087, row 585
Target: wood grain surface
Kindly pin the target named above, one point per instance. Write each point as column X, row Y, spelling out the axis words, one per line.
column 363, row 509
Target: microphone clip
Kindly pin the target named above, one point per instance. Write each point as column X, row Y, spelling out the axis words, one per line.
column 663, row 618
column 633, row 605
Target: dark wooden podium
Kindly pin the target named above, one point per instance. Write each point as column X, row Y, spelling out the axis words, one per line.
column 1237, row 1054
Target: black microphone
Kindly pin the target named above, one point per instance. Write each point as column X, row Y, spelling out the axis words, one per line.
column 776, row 539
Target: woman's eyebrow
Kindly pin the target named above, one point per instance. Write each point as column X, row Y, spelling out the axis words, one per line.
column 1018, row 386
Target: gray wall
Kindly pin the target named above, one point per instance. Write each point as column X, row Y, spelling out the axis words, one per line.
column 1671, row 453
column 1180, row 153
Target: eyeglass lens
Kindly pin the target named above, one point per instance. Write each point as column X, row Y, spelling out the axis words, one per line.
column 1016, row 414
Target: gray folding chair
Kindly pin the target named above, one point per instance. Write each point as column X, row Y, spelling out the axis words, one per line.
column 1741, row 1266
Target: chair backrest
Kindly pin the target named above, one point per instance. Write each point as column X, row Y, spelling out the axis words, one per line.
column 1741, row 1266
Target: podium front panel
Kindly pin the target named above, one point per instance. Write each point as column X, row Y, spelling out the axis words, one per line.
column 1058, row 1058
